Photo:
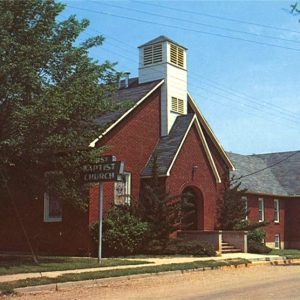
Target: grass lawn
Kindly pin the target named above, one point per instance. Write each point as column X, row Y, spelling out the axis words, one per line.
column 289, row 253
column 9, row 287
column 24, row 264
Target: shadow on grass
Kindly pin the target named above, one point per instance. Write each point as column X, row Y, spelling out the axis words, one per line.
column 24, row 264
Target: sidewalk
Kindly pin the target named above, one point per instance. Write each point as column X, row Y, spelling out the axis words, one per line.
column 153, row 262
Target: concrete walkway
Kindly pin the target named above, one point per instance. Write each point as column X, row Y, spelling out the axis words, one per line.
column 152, row 262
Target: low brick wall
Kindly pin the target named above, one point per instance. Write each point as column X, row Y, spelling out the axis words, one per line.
column 213, row 237
column 236, row 238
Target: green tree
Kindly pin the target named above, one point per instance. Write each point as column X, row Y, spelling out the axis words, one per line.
column 50, row 93
column 163, row 211
column 231, row 208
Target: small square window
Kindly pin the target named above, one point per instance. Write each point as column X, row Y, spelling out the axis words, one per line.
column 123, row 190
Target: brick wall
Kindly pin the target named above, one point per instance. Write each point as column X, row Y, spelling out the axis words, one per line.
column 69, row 237
column 133, row 141
column 273, row 228
column 293, row 223
column 193, row 154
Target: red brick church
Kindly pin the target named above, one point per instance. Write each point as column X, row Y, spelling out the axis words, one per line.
column 164, row 119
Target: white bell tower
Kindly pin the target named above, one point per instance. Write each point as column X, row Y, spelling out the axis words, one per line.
column 162, row 58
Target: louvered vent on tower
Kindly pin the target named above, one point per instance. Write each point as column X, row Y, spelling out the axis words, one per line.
column 177, row 55
column 152, row 54
column 177, row 105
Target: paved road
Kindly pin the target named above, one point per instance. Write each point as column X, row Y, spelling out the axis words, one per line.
column 260, row 282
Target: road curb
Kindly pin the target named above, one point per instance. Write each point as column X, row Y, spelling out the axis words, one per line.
column 118, row 280
column 113, row 280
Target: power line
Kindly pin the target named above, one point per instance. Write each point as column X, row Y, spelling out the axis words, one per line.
column 186, row 29
column 269, row 167
column 213, row 92
column 288, row 115
column 242, row 95
column 220, row 18
column 247, row 105
column 197, row 86
column 217, row 85
column 199, row 23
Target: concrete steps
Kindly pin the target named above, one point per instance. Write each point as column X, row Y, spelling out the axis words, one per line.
column 227, row 248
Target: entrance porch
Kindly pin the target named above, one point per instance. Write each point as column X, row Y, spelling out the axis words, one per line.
column 219, row 239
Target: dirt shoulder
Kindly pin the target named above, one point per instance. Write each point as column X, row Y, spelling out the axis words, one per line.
column 250, row 283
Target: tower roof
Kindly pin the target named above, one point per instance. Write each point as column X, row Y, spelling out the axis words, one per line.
column 161, row 38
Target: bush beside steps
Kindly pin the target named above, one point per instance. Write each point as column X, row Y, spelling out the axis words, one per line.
column 181, row 247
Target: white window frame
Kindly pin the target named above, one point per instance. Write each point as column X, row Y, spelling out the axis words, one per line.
column 277, row 241
column 261, row 210
column 245, row 201
column 276, row 211
column 127, row 188
column 47, row 218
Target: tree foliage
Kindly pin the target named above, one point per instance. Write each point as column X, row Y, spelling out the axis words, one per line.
column 50, row 93
column 159, row 208
column 231, row 208
column 124, row 233
column 295, row 8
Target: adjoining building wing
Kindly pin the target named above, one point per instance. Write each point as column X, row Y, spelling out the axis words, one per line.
column 272, row 173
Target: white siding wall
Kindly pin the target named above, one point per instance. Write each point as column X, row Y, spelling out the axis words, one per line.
column 176, row 87
column 175, row 84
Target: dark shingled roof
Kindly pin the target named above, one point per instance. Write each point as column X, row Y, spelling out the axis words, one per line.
column 281, row 176
column 168, row 145
column 132, row 94
column 160, row 39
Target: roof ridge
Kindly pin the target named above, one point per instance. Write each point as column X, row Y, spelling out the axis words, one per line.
column 263, row 154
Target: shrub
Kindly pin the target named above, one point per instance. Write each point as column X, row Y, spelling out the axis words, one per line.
column 255, row 245
column 182, row 247
column 196, row 248
column 257, row 235
column 258, row 247
column 123, row 232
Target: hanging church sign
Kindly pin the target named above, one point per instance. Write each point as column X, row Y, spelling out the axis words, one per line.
column 105, row 169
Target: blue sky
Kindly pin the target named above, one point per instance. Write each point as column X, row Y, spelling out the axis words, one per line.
column 248, row 91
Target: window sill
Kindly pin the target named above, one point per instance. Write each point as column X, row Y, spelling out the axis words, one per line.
column 53, row 220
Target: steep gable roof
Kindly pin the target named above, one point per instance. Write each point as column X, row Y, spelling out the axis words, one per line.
column 210, row 133
column 277, row 173
column 133, row 95
column 169, row 146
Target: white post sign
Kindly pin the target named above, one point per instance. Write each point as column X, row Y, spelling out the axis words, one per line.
column 106, row 168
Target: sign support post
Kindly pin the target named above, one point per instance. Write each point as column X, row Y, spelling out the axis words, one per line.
column 107, row 168
column 100, row 221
